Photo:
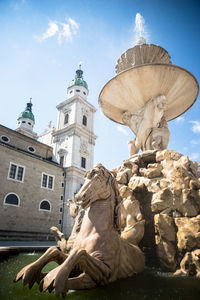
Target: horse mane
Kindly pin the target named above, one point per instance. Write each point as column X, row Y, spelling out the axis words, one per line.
column 117, row 198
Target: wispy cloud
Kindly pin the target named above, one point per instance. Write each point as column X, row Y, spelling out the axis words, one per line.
column 63, row 31
column 194, row 156
column 122, row 130
column 196, row 126
column 17, row 4
column 195, row 142
column 51, row 31
column 180, row 120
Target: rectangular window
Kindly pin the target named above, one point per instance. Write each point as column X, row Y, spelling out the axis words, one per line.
column 16, row 172
column 61, row 161
column 50, row 183
column 47, row 181
column 83, row 162
column 44, row 180
column 20, row 173
column 13, row 169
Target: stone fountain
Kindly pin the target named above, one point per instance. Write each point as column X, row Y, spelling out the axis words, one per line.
column 148, row 91
column 151, row 203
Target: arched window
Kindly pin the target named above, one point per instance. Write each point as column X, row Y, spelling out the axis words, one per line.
column 84, row 121
column 45, row 205
column 12, row 199
column 66, row 120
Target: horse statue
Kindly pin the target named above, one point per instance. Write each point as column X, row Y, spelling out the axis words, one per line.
column 98, row 255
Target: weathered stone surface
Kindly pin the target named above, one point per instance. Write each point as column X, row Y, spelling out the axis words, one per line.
column 166, row 183
column 153, row 186
column 190, row 264
column 153, row 170
column 125, row 191
column 124, row 176
column 177, row 174
column 132, row 166
column 148, row 156
column 188, row 234
column 137, row 182
column 194, row 184
column 168, row 155
column 166, row 255
column 164, row 227
column 162, row 200
column 187, row 201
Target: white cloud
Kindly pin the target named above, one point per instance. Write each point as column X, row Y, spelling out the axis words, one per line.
column 51, row 31
column 195, row 142
column 196, row 126
column 180, row 120
column 194, row 156
column 63, row 31
column 74, row 25
column 122, row 130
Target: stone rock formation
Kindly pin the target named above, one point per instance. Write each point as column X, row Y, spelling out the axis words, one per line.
column 166, row 187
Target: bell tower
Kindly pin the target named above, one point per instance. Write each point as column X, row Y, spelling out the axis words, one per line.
column 73, row 140
column 26, row 121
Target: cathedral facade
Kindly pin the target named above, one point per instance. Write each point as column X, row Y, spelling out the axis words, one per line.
column 38, row 178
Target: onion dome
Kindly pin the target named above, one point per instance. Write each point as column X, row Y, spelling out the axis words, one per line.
column 27, row 113
column 78, row 79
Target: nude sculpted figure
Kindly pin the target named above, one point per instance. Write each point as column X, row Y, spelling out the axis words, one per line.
column 149, row 125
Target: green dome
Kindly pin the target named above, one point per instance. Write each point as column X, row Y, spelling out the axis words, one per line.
column 27, row 113
column 78, row 80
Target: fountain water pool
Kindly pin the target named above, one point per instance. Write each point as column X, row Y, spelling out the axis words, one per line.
column 150, row 285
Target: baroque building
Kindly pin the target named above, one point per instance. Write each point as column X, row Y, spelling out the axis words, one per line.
column 38, row 178
column 73, row 140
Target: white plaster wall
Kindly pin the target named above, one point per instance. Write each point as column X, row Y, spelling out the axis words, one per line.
column 76, row 151
column 72, row 185
column 77, row 91
column 46, row 138
column 69, row 151
column 25, row 125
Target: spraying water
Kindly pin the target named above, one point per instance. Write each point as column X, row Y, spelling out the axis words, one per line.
column 139, row 29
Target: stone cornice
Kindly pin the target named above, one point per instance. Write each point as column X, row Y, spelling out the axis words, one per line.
column 74, row 99
column 74, row 129
column 73, row 169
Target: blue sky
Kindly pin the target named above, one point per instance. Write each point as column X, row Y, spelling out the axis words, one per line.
column 42, row 43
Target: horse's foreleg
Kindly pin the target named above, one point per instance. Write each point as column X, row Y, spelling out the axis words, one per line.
column 32, row 272
column 81, row 282
column 93, row 267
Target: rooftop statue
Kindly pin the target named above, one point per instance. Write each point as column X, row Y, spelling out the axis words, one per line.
column 98, row 255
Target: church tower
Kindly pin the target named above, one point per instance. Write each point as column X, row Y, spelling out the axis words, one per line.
column 26, row 121
column 73, row 140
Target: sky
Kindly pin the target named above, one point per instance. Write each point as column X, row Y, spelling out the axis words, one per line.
column 42, row 43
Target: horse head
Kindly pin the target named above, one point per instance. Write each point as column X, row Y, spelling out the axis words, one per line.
column 96, row 186
column 100, row 184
